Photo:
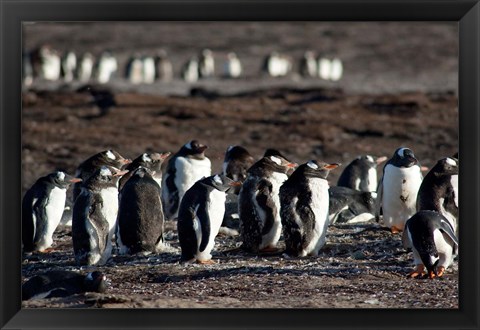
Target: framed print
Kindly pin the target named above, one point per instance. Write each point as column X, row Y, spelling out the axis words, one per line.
column 300, row 85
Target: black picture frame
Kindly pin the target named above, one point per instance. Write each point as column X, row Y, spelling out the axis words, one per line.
column 466, row 12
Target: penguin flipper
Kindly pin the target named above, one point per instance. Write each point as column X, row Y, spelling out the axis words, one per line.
column 307, row 216
column 446, row 228
column 28, row 227
column 265, row 202
column 204, row 219
column 378, row 202
column 186, row 233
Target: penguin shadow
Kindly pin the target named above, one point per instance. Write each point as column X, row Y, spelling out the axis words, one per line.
column 141, row 259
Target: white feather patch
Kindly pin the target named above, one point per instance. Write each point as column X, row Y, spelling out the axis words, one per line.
column 217, row 179
column 145, row 158
column 276, row 160
column 370, row 158
column 312, row 165
column 105, row 171
column 188, row 145
column 60, row 175
column 111, row 155
column 450, row 162
column 401, row 152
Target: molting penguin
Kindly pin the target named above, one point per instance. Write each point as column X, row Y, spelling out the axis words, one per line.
column 304, row 203
column 134, row 70
column 152, row 161
column 350, row 206
column 200, row 216
column 95, row 217
column 62, row 283
column 206, row 64
column 433, row 242
column 236, row 163
column 398, row 189
column 140, row 215
column 89, row 166
column 439, row 190
column 233, row 66
column 259, row 204
column 164, row 67
column 308, row 64
column 190, row 70
column 42, row 209
column 361, row 173
column 185, row 168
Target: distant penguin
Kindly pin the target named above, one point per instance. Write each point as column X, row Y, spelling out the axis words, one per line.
column 164, row 67
column 351, row 206
column 336, row 69
column 134, row 70
column 140, row 215
column 259, row 204
column 324, row 68
column 277, row 65
column 107, row 66
column 47, row 63
column 200, row 217
column 185, row 168
column 102, row 97
column 151, row 161
column 190, row 70
column 308, row 65
column 69, row 66
column 206, row 64
column 62, row 283
column 439, row 190
column 85, row 67
column 433, row 242
column 361, row 173
column 236, row 163
column 42, row 209
column 232, row 66
column 398, row 189
column 304, row 203
column 89, row 166
column 95, row 217
column 148, row 64
column 27, row 70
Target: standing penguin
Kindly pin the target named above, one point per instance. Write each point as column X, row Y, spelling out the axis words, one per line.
column 433, row 242
column 89, row 166
column 200, row 216
column 85, row 67
column 190, row 70
column 206, row 64
column 439, row 190
column 134, row 69
column 152, row 161
column 361, row 173
column 398, row 189
column 232, row 67
column 140, row 215
column 304, row 203
column 259, row 204
column 236, row 163
column 69, row 66
column 95, row 217
column 308, row 64
column 164, row 67
column 42, row 209
column 185, row 168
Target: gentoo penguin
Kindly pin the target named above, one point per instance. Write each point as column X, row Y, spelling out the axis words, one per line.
column 304, row 204
column 433, row 242
column 200, row 216
column 439, row 190
column 336, row 69
column 232, row 67
column 140, row 214
column 134, row 70
column 107, row 65
column 350, row 206
column 398, row 189
column 69, row 66
column 62, row 283
column 185, row 168
column 50, row 63
column 330, row 69
column 277, row 65
column 89, row 166
column 152, row 161
column 94, row 217
column 148, row 65
column 190, row 70
column 85, row 67
column 102, row 97
column 206, row 64
column 361, row 173
column 42, row 209
column 236, row 163
column 259, row 204
column 164, row 67
column 274, row 152
column 27, row 70
column 308, row 65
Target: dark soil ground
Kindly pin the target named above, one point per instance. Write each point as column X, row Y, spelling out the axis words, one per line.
column 397, row 91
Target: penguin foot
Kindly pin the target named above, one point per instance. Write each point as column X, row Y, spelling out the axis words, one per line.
column 417, row 272
column 431, row 274
column 48, row 250
column 206, row 262
column 395, row 230
column 440, row 271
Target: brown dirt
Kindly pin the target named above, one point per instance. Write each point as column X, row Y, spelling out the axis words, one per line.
column 361, row 266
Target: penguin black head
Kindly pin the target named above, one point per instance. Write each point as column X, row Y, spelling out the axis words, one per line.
column 152, row 161
column 105, row 176
column 445, row 166
column 61, row 179
column 316, row 169
column 220, row 182
column 237, row 152
column 371, row 161
column 193, row 149
column 283, row 164
column 143, row 171
column 95, row 282
column 403, row 157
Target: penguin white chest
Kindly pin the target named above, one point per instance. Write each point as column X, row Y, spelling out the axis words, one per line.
column 319, row 205
column 54, row 210
column 400, row 189
column 454, row 183
column 372, row 179
column 189, row 171
column 110, row 206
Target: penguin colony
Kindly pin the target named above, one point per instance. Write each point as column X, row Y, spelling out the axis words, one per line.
column 121, row 206
column 47, row 63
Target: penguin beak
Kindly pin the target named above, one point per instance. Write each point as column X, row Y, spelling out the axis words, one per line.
column 235, row 184
column 424, row 168
column 75, row 180
column 381, row 160
column 120, row 173
column 165, row 155
column 292, row 165
column 332, row 166
column 126, row 161
column 201, row 148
